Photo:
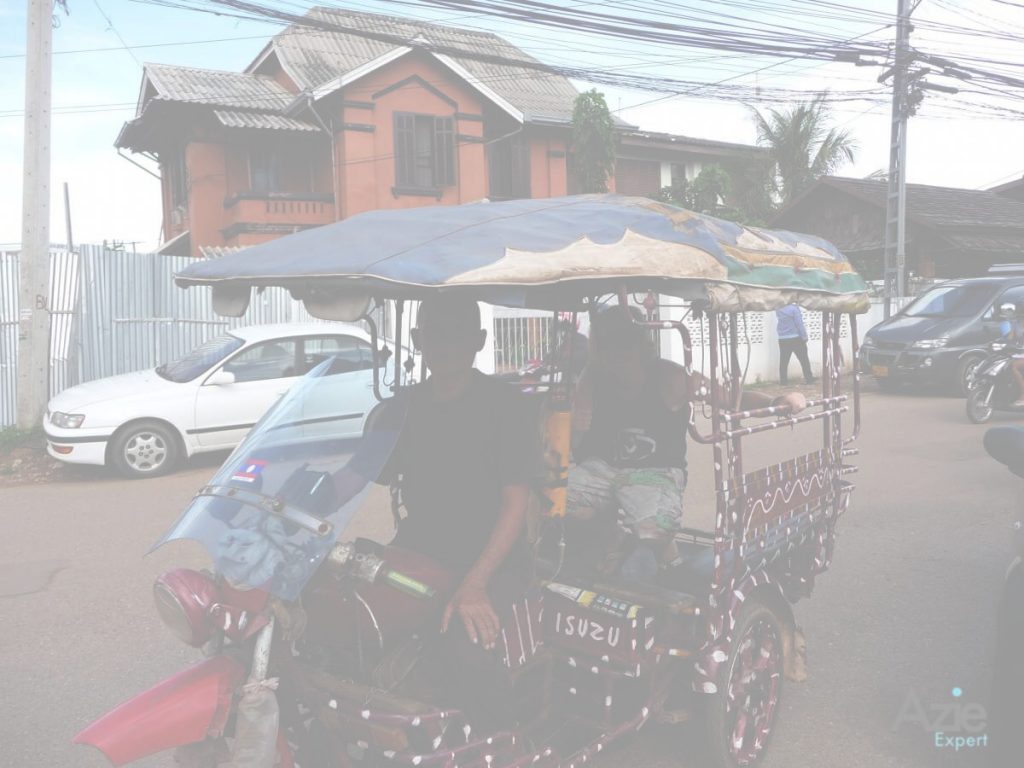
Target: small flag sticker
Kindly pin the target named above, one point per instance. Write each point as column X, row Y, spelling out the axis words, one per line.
column 250, row 471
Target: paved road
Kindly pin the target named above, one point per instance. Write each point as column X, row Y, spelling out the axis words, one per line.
column 908, row 606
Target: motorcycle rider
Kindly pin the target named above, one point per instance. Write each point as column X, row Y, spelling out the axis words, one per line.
column 631, row 413
column 1012, row 329
column 465, row 457
column 464, row 461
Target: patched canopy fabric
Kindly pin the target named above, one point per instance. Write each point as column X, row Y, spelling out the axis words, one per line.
column 546, row 253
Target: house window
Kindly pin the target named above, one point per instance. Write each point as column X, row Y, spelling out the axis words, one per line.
column 424, row 152
column 264, row 171
column 678, row 172
column 509, row 168
column 176, row 173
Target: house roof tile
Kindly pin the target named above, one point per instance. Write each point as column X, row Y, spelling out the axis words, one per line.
column 969, row 220
column 316, row 56
column 941, row 207
column 223, row 89
column 261, row 120
column 637, row 136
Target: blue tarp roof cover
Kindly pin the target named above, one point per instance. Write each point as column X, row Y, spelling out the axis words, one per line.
column 547, row 252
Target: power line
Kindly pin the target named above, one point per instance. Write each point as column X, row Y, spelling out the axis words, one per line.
column 174, row 44
column 112, row 28
column 615, row 77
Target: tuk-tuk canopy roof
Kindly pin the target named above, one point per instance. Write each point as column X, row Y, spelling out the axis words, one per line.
column 549, row 253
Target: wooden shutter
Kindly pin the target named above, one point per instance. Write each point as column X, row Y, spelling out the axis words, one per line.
column 405, row 149
column 444, row 151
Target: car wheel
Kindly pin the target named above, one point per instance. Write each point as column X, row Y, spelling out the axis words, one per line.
column 964, row 376
column 979, row 404
column 144, row 449
column 742, row 713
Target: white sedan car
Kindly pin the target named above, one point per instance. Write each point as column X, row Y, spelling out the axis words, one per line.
column 143, row 423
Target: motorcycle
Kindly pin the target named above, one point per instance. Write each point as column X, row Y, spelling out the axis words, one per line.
column 1006, row 710
column 992, row 386
column 319, row 645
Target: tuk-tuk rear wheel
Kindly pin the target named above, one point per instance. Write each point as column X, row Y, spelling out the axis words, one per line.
column 742, row 713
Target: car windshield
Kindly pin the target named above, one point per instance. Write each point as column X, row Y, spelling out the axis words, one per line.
column 951, row 301
column 200, row 359
column 276, row 506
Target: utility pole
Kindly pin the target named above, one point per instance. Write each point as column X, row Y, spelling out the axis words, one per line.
column 896, row 199
column 34, row 262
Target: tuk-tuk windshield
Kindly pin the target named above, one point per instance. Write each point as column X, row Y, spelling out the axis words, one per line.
column 275, row 508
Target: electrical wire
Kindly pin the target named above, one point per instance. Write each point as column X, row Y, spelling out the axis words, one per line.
column 988, row 76
column 112, row 28
column 174, row 44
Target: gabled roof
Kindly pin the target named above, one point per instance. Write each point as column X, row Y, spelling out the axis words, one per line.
column 249, row 101
column 969, row 219
column 315, row 56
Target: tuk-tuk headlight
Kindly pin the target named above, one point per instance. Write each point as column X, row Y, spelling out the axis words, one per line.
column 868, row 342
column 931, row 343
column 185, row 599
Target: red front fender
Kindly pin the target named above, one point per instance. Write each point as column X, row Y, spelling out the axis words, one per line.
column 183, row 709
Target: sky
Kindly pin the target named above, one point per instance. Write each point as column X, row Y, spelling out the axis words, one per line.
column 94, row 92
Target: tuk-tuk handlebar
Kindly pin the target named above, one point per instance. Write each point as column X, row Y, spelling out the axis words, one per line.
column 775, row 410
column 833, row 406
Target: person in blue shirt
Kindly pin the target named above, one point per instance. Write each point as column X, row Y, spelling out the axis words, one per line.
column 792, row 341
column 1012, row 329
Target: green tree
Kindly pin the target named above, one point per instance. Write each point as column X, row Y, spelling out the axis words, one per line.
column 712, row 185
column 752, row 190
column 705, row 194
column 593, row 142
column 740, row 191
column 802, row 145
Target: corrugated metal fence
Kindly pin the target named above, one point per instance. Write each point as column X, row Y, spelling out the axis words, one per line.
column 115, row 312
column 8, row 335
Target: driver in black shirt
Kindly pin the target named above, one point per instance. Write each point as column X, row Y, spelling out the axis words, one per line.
column 465, row 457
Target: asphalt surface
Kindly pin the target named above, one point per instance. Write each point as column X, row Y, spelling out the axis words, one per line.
column 907, row 609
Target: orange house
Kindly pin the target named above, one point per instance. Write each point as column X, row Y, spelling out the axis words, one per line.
column 349, row 113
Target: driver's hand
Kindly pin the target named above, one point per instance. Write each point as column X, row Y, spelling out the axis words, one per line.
column 795, row 400
column 473, row 606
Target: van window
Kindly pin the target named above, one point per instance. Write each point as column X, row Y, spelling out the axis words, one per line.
column 1013, row 296
column 951, row 301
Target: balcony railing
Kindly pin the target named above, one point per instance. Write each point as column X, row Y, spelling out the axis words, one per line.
column 300, row 209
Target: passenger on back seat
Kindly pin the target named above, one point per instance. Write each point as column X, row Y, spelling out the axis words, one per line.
column 631, row 413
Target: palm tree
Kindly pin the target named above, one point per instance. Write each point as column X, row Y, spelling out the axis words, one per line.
column 802, row 145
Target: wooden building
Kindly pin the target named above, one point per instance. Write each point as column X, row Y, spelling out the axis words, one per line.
column 951, row 232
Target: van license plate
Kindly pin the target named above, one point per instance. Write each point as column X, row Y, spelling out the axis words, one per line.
column 880, row 371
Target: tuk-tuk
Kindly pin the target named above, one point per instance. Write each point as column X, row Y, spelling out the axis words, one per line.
column 310, row 637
